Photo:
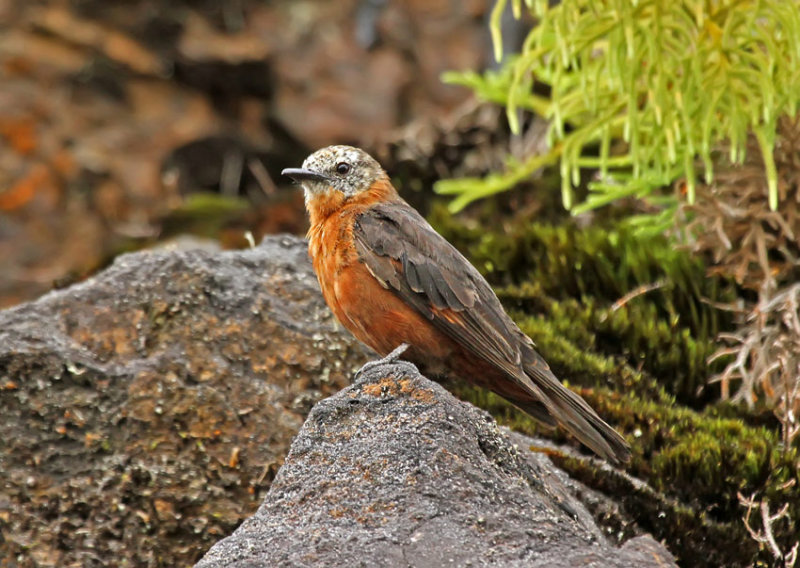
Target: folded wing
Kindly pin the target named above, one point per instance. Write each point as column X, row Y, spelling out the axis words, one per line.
column 406, row 255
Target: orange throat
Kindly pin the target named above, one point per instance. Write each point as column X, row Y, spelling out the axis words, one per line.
column 330, row 236
column 322, row 205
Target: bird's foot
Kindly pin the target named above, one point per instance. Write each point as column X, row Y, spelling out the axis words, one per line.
column 369, row 368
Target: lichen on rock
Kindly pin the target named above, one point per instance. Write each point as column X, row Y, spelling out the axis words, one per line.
column 394, row 471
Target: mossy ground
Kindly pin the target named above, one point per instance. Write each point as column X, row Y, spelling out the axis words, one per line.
column 642, row 363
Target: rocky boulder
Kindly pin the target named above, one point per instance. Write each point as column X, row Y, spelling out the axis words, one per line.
column 394, row 471
column 146, row 410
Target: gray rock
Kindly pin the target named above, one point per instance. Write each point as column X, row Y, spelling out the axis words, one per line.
column 394, row 471
column 146, row 410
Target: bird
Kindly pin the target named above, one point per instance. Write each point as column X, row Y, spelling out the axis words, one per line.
column 393, row 281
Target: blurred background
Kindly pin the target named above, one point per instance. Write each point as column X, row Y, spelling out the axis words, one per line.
column 123, row 124
column 667, row 296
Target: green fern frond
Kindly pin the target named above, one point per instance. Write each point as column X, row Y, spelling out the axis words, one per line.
column 671, row 80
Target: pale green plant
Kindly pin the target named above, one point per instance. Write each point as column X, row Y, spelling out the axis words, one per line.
column 646, row 92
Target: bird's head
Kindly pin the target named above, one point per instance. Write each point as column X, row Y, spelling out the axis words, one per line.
column 337, row 174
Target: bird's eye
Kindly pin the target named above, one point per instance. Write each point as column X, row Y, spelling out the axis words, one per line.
column 342, row 168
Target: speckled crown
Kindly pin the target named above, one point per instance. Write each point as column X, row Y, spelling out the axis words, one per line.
column 364, row 169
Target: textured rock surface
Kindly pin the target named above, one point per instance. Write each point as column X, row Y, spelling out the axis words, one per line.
column 394, row 471
column 146, row 410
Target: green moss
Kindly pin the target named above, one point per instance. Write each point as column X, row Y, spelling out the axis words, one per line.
column 694, row 462
column 693, row 535
column 204, row 214
column 642, row 365
column 578, row 278
column 574, row 358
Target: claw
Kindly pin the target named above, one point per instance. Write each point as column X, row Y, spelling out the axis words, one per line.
column 390, row 359
column 395, row 355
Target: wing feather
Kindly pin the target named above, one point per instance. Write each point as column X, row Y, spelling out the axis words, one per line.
column 404, row 252
column 406, row 255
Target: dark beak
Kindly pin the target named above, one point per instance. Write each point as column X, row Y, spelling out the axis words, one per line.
column 301, row 174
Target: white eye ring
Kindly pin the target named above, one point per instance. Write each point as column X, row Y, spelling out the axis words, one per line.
column 342, row 168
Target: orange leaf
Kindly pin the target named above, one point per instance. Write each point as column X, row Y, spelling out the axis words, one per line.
column 21, row 134
column 23, row 190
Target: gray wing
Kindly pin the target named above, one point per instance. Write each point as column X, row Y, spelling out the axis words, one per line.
column 406, row 255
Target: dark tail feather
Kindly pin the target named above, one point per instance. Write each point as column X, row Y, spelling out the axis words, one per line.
column 574, row 414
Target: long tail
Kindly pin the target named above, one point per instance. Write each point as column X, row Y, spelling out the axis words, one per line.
column 571, row 412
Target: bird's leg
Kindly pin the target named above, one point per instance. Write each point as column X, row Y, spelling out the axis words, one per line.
column 393, row 358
